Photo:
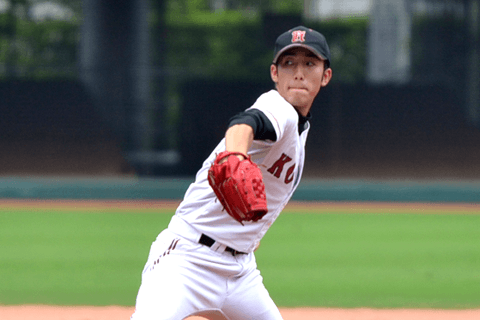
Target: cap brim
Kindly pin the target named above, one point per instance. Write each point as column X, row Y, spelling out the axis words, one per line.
column 296, row 45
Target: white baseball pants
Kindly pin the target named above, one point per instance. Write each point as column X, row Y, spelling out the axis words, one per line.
column 184, row 278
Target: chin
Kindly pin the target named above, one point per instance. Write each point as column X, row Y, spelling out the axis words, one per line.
column 296, row 102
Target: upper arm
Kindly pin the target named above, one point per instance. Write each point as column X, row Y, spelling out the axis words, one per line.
column 262, row 127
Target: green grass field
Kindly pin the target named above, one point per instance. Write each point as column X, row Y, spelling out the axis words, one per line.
column 95, row 257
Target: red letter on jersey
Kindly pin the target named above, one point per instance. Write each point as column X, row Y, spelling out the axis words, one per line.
column 289, row 175
column 277, row 167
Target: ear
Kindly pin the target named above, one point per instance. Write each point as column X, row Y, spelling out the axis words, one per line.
column 274, row 73
column 327, row 76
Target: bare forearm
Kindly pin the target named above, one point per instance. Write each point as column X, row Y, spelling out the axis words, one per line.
column 239, row 138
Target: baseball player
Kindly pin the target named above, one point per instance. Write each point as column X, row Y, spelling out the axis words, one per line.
column 204, row 264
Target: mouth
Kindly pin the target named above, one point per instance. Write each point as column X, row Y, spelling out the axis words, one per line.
column 298, row 89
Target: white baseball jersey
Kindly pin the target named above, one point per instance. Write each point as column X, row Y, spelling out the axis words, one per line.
column 184, row 276
column 281, row 163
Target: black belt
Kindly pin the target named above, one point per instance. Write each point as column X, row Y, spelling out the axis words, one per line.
column 207, row 241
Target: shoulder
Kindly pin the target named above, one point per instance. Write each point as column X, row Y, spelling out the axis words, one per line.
column 273, row 101
column 281, row 114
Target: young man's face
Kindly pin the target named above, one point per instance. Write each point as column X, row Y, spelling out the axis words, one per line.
column 299, row 77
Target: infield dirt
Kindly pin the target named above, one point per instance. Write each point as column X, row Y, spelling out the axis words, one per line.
column 32, row 312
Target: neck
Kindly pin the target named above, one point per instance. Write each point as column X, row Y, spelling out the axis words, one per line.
column 303, row 110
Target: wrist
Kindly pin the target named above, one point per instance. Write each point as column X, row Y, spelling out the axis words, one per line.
column 240, row 156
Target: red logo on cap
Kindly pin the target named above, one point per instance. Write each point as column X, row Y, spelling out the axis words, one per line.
column 298, row 36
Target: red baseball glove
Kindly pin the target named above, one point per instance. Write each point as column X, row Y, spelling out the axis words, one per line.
column 239, row 186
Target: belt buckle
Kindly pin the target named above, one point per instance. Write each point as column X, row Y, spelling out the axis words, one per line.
column 209, row 242
column 233, row 251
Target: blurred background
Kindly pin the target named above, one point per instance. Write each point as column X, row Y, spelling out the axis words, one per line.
column 145, row 87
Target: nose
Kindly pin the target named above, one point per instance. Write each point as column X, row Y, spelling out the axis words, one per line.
column 299, row 74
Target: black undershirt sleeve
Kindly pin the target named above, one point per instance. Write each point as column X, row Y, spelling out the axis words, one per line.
column 262, row 126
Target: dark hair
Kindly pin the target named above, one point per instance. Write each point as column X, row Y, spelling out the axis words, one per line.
column 326, row 63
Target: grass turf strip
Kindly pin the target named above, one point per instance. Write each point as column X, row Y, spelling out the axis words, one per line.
column 306, row 259
column 353, row 260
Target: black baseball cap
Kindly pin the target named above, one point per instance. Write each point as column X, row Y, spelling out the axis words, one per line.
column 302, row 37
